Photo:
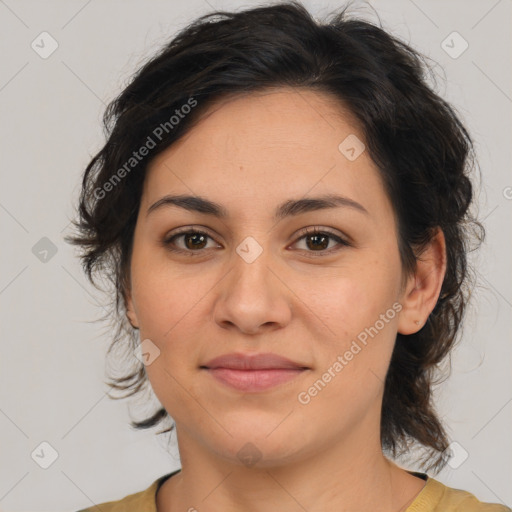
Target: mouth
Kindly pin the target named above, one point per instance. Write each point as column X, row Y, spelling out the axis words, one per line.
column 253, row 373
column 253, row 380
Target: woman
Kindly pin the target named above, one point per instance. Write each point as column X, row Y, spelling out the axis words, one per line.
column 282, row 207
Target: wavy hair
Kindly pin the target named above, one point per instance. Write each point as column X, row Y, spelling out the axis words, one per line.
column 416, row 139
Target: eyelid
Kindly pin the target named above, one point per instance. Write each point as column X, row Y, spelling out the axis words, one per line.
column 315, row 229
column 195, row 229
column 342, row 240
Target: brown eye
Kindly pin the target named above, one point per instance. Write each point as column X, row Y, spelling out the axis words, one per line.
column 317, row 241
column 194, row 240
column 191, row 241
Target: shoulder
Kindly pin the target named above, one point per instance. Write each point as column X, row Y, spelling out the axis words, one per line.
column 141, row 501
column 437, row 497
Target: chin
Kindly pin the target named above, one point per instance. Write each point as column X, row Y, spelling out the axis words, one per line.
column 259, row 448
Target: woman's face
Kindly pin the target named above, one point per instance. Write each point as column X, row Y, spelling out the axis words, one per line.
column 254, row 282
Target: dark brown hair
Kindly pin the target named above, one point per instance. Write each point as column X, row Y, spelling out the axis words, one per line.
column 416, row 139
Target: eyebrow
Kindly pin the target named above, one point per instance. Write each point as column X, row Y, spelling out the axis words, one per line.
column 287, row 209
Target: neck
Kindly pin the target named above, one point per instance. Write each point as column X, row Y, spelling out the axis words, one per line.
column 340, row 478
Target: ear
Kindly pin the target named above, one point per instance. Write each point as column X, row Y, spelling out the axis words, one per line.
column 423, row 288
column 130, row 310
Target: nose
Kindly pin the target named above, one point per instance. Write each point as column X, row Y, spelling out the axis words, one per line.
column 253, row 297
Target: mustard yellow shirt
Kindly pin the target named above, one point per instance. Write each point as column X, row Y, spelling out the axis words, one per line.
column 434, row 497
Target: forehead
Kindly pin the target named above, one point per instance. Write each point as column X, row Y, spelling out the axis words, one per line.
column 263, row 148
column 275, row 118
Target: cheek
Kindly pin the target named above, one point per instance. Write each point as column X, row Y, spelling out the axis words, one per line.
column 157, row 306
column 164, row 294
column 168, row 308
column 360, row 310
column 351, row 302
column 351, row 367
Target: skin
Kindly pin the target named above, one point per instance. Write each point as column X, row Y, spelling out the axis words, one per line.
column 250, row 154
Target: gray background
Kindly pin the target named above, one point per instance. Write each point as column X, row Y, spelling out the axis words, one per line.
column 52, row 357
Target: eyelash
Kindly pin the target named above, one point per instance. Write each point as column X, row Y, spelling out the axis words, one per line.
column 168, row 241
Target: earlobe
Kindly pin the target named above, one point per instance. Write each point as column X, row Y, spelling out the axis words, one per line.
column 423, row 288
column 130, row 311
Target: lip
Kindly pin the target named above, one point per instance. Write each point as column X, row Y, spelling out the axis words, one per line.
column 253, row 373
column 263, row 361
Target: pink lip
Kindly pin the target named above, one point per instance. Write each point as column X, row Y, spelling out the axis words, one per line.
column 252, row 373
column 264, row 361
column 253, row 380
